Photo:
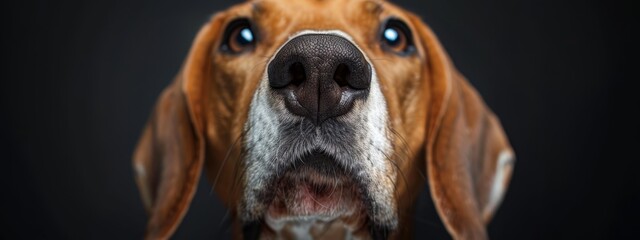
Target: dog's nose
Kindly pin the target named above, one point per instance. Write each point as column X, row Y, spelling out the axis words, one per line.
column 320, row 76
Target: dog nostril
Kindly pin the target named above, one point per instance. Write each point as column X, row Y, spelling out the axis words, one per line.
column 341, row 75
column 297, row 74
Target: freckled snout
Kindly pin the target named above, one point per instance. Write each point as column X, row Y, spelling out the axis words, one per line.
column 320, row 76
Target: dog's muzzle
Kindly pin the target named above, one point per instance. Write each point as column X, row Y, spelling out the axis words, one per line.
column 320, row 76
column 317, row 140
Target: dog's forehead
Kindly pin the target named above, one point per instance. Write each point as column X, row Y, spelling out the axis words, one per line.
column 318, row 6
column 287, row 16
column 310, row 14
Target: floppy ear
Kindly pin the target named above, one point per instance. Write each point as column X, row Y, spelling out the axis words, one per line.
column 170, row 153
column 469, row 159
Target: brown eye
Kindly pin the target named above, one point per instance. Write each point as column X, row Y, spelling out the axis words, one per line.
column 239, row 37
column 396, row 37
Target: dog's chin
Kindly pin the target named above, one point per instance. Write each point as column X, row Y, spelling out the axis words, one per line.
column 315, row 188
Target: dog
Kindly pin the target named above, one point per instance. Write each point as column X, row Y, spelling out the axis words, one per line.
column 322, row 119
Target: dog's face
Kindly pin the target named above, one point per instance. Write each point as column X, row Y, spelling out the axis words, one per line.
column 319, row 118
column 318, row 141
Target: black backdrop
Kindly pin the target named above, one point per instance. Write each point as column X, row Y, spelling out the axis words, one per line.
column 80, row 78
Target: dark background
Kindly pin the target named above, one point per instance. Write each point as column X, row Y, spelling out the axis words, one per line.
column 80, row 78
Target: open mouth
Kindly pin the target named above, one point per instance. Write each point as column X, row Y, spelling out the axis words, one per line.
column 315, row 187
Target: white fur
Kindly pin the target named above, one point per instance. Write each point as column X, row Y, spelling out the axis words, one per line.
column 503, row 169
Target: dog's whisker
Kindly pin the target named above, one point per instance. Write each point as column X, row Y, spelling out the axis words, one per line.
column 335, row 186
column 215, row 181
column 405, row 149
column 266, row 56
column 225, row 223
column 258, row 64
column 314, row 199
column 239, row 163
column 397, row 167
column 395, row 186
column 238, row 177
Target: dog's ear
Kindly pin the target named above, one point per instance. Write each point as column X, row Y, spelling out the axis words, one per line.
column 170, row 153
column 469, row 159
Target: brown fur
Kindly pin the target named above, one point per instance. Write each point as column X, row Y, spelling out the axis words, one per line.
column 441, row 124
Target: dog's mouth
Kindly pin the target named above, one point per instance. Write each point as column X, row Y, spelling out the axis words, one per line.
column 315, row 187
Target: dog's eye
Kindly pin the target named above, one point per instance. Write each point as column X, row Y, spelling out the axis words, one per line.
column 239, row 37
column 396, row 37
